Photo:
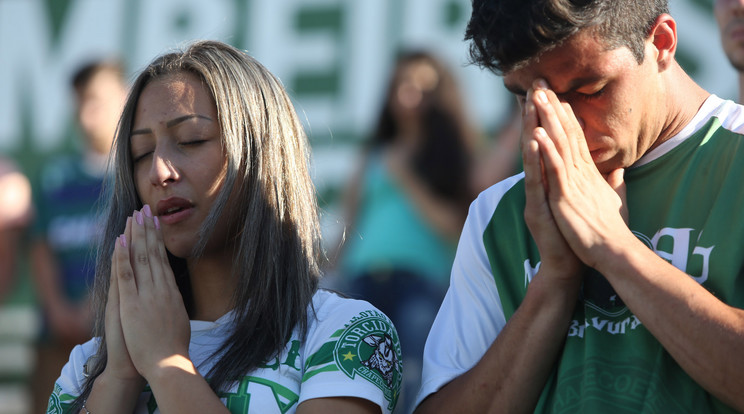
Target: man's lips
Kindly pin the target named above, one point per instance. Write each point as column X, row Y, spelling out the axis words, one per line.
column 174, row 209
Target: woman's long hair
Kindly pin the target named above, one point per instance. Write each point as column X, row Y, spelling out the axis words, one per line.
column 442, row 160
column 267, row 196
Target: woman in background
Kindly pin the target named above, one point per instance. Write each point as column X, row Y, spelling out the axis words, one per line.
column 407, row 203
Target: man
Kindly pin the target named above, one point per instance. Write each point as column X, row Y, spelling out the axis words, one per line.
column 608, row 276
column 730, row 17
column 66, row 227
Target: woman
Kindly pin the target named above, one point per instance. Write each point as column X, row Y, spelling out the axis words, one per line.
column 207, row 294
column 407, row 203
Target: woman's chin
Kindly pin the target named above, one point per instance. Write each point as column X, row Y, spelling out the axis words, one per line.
column 180, row 250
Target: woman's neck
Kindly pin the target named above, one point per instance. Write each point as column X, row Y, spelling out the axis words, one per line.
column 409, row 129
column 212, row 285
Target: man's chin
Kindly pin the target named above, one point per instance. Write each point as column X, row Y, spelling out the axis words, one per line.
column 606, row 164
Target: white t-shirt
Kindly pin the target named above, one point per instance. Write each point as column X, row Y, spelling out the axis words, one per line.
column 351, row 350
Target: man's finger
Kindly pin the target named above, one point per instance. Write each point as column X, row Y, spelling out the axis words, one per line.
column 552, row 161
column 548, row 107
column 580, row 146
column 616, row 180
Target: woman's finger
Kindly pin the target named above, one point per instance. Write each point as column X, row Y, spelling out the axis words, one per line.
column 128, row 232
column 159, row 268
column 140, row 256
column 126, row 282
column 171, row 280
column 112, row 304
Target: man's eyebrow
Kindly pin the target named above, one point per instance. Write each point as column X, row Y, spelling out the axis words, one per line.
column 578, row 83
column 575, row 84
column 173, row 122
column 516, row 90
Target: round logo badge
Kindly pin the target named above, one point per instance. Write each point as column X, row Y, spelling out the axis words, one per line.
column 369, row 347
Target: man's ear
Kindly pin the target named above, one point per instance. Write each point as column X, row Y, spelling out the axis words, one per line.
column 663, row 38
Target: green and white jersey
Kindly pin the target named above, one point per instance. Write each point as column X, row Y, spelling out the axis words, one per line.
column 685, row 201
column 351, row 350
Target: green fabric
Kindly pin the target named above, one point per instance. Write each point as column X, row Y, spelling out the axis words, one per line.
column 686, row 206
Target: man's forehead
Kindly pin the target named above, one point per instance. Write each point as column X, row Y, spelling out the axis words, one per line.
column 564, row 73
column 583, row 55
column 553, row 67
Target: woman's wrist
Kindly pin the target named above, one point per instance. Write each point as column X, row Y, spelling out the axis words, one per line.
column 169, row 367
column 112, row 394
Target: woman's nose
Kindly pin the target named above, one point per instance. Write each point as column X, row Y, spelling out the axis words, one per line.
column 162, row 170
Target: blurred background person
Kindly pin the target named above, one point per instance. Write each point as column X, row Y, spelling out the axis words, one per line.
column 501, row 157
column 405, row 206
column 16, row 313
column 66, row 227
column 730, row 17
column 15, row 215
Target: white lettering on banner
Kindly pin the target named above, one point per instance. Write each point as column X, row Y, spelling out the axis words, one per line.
column 158, row 25
column 317, row 50
column 36, row 67
column 354, row 49
column 37, row 62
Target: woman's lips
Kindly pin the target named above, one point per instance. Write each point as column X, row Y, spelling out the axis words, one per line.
column 174, row 210
column 176, row 217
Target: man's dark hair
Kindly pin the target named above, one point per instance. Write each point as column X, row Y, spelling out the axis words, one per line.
column 506, row 34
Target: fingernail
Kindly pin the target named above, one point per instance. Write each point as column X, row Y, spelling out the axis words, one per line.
column 541, row 96
column 541, row 84
column 123, row 240
column 157, row 222
column 147, row 210
column 138, row 217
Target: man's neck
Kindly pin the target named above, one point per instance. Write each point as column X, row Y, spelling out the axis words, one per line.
column 741, row 88
column 684, row 101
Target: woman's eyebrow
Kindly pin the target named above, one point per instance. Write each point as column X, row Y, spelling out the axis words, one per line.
column 172, row 123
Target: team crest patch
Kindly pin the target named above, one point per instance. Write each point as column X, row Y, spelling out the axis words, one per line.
column 369, row 347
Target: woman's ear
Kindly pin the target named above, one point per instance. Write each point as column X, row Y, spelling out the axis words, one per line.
column 663, row 39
